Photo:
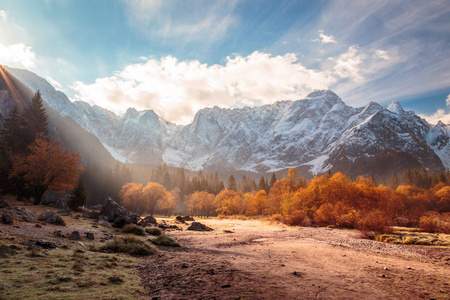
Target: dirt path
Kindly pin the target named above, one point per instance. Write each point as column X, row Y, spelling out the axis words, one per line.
column 260, row 261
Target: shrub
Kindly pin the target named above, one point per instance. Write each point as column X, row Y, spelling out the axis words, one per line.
column 130, row 245
column 153, row 231
column 133, row 229
column 164, row 240
column 277, row 218
column 372, row 223
column 433, row 222
column 296, row 218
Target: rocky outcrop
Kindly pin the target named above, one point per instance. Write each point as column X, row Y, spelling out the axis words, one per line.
column 51, row 217
column 3, row 203
column 18, row 213
column 118, row 215
column 197, row 226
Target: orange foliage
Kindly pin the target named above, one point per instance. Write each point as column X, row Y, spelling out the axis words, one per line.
column 202, row 204
column 229, row 202
column 47, row 167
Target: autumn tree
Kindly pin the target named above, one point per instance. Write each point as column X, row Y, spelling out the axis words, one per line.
column 169, row 203
column 47, row 167
column 131, row 196
column 229, row 202
column 152, row 193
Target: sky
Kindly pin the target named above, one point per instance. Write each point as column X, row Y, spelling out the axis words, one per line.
column 177, row 57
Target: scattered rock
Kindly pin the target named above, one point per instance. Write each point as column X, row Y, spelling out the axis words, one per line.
column 38, row 225
column 3, row 203
column 180, row 219
column 80, row 251
column 89, row 235
column 226, row 286
column 104, row 223
column 91, row 214
column 19, row 213
column 6, row 251
column 65, row 212
column 59, row 233
column 197, row 226
column 118, row 215
column 5, row 286
column 46, row 245
column 75, row 236
column 56, row 200
column 7, row 219
column 150, row 219
column 188, row 218
column 52, row 218
column 386, row 268
column 298, row 274
column 32, row 268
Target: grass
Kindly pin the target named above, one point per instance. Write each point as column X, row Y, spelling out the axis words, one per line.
column 66, row 273
column 129, row 244
column 133, row 229
column 155, row 231
column 164, row 240
column 401, row 236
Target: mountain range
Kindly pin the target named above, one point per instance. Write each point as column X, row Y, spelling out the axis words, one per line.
column 314, row 134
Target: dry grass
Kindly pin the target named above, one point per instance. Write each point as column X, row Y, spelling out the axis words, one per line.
column 155, row 231
column 129, row 244
column 408, row 236
column 66, row 273
column 164, row 240
column 133, row 229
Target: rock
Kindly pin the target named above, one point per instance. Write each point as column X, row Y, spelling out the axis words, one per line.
column 7, row 219
column 197, row 226
column 118, row 215
column 163, row 226
column 46, row 245
column 32, row 268
column 59, row 233
column 6, row 251
column 38, row 225
column 66, row 212
column 91, row 215
column 89, row 235
column 5, row 286
column 180, row 219
column 104, row 223
column 75, row 236
column 56, row 200
column 96, row 207
column 19, row 213
column 143, row 223
column 150, row 219
column 226, row 286
column 52, row 218
column 188, row 218
column 3, row 203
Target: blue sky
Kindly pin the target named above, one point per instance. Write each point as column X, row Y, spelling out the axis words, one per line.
column 179, row 56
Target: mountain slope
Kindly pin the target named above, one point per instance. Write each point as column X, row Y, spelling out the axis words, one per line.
column 316, row 133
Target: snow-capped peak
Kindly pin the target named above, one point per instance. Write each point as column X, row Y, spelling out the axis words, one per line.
column 395, row 107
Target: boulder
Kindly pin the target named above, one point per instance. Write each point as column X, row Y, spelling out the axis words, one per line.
column 7, row 219
column 59, row 233
column 197, row 226
column 56, row 200
column 46, row 245
column 89, row 235
column 118, row 215
column 3, row 203
column 188, row 218
column 150, row 219
column 180, row 219
column 75, row 236
column 18, row 213
column 91, row 214
column 51, row 218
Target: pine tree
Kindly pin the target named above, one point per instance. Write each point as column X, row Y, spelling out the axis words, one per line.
column 37, row 117
column 16, row 133
column 262, row 185
column 273, row 179
column 231, row 183
column 79, row 196
column 407, row 177
column 394, row 180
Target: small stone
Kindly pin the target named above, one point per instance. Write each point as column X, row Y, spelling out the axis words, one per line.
column 383, row 276
column 226, row 286
column 6, row 286
column 75, row 236
column 59, row 233
column 89, row 235
column 46, row 245
column 32, row 268
column 80, row 251
column 38, row 225
column 386, row 268
column 409, row 268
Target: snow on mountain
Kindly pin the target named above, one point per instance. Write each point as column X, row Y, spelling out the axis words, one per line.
column 317, row 132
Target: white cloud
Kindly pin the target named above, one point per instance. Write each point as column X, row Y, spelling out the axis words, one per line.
column 58, row 86
column 17, row 55
column 447, row 101
column 348, row 65
column 325, row 39
column 3, row 16
column 440, row 115
column 176, row 90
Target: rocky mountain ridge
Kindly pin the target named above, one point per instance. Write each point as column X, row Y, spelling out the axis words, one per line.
column 315, row 133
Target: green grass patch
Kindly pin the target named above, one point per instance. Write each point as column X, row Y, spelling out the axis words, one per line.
column 164, row 240
column 129, row 244
column 155, row 231
column 133, row 229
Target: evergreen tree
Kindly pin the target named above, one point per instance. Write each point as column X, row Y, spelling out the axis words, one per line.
column 232, row 183
column 37, row 117
column 394, row 180
column 79, row 196
column 262, row 185
column 407, row 177
column 273, row 179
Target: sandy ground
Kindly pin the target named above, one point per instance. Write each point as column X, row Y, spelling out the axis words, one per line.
column 263, row 261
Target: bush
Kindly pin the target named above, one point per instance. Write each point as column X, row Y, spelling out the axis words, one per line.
column 434, row 222
column 372, row 223
column 133, row 229
column 164, row 240
column 130, row 245
column 296, row 218
column 153, row 231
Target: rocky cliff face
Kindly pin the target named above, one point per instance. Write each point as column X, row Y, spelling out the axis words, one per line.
column 317, row 133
